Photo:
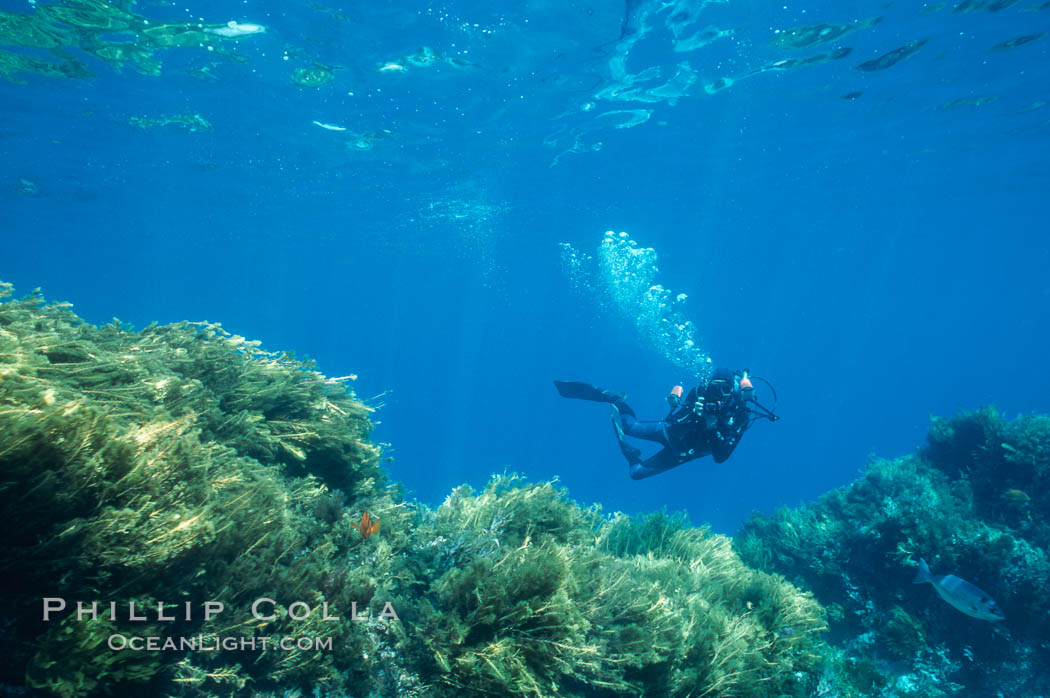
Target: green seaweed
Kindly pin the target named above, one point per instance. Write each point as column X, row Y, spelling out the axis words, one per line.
column 532, row 595
column 973, row 502
column 184, row 463
column 126, row 478
column 904, row 635
column 72, row 660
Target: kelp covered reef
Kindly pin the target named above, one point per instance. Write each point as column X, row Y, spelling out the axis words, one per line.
column 975, row 503
column 533, row 596
column 177, row 465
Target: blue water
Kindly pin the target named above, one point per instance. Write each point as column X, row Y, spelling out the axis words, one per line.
column 880, row 259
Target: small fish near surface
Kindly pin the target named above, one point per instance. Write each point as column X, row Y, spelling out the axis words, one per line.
column 234, row 30
column 1016, row 41
column 328, row 127
column 961, row 594
column 892, row 58
column 967, row 6
column 790, row 63
column 969, row 102
column 805, row 37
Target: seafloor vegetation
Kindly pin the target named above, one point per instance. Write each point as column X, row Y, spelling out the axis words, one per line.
column 975, row 503
column 181, row 464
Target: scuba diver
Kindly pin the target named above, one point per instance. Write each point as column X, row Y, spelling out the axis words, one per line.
column 710, row 420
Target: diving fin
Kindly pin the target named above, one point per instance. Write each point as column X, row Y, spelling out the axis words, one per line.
column 632, row 454
column 576, row 390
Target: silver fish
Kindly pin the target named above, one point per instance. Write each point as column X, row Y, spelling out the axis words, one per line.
column 234, row 29
column 961, row 594
column 328, row 127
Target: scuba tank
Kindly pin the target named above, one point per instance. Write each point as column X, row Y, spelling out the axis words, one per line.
column 674, row 398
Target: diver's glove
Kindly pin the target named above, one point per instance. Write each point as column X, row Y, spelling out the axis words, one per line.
column 698, row 406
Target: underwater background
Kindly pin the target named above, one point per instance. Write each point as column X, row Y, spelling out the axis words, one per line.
column 850, row 201
column 870, row 241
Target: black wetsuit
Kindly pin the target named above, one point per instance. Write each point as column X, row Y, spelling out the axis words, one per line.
column 683, row 433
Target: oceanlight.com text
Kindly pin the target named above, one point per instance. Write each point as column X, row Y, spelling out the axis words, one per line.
column 201, row 643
